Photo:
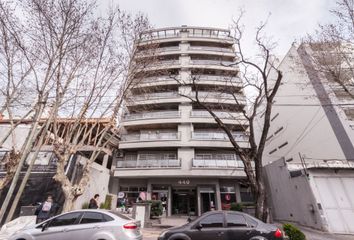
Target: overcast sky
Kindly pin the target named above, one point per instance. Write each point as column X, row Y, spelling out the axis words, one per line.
column 290, row 19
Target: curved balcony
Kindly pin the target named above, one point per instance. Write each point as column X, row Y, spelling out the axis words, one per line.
column 153, row 139
column 217, row 139
column 212, row 64
column 151, row 163
column 211, row 51
column 218, row 80
column 216, row 163
column 156, row 81
column 156, row 98
column 219, row 97
column 202, row 116
column 151, row 118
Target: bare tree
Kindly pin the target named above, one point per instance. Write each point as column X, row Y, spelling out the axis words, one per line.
column 333, row 47
column 261, row 79
column 89, row 77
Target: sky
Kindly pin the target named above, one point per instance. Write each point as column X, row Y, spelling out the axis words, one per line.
column 288, row 19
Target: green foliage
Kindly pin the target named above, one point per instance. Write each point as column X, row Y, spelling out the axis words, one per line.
column 85, row 205
column 236, row 207
column 107, row 203
column 156, row 208
column 293, row 232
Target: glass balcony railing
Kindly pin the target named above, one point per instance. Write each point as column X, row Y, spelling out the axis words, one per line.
column 214, row 49
column 219, row 95
column 154, row 136
column 160, row 79
column 155, row 163
column 217, row 163
column 217, row 78
column 204, row 135
column 224, row 115
column 212, row 62
column 152, row 115
column 159, row 95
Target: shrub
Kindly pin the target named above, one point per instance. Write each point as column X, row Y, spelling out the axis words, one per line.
column 85, row 205
column 156, row 208
column 107, row 203
column 293, row 232
column 236, row 207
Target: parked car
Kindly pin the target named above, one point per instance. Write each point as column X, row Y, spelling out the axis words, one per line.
column 88, row 224
column 223, row 225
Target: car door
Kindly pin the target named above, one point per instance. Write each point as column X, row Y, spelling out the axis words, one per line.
column 56, row 228
column 237, row 227
column 88, row 226
column 209, row 227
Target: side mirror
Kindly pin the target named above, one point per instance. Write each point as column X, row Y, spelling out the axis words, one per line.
column 44, row 226
column 189, row 219
column 199, row 226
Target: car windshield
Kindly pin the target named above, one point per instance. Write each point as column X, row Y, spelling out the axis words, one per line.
column 120, row 215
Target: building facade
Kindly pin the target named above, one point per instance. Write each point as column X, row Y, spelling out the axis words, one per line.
column 309, row 152
column 171, row 149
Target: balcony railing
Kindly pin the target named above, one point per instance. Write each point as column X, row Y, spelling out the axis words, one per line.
column 214, row 49
column 217, row 163
column 157, row 79
column 218, row 95
column 212, row 62
column 151, row 136
column 224, row 115
column 156, row 163
column 152, row 115
column 217, row 78
column 199, row 135
column 159, row 95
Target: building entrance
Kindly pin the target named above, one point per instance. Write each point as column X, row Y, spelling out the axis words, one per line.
column 184, row 201
column 207, row 197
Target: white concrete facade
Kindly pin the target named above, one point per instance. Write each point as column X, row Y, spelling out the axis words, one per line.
column 311, row 130
column 170, row 146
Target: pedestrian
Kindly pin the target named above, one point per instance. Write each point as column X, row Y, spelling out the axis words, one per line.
column 46, row 209
column 94, row 202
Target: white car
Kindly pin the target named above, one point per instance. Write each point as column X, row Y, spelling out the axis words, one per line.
column 90, row 224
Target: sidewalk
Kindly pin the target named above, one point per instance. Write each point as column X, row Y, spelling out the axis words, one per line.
column 312, row 234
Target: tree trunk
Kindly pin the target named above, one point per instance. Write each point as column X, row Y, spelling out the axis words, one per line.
column 261, row 204
column 69, row 201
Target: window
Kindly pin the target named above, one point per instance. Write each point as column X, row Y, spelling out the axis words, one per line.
column 283, row 145
column 273, row 151
column 275, row 116
column 92, row 217
column 235, row 220
column 213, row 221
column 278, row 131
column 64, row 220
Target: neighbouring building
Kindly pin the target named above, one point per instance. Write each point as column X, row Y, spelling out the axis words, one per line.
column 41, row 182
column 170, row 148
column 309, row 153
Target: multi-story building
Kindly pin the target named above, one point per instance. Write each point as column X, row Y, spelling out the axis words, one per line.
column 312, row 134
column 171, row 148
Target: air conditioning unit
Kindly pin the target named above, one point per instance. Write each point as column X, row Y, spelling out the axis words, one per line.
column 119, row 154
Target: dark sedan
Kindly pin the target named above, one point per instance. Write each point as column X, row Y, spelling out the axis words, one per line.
column 223, row 225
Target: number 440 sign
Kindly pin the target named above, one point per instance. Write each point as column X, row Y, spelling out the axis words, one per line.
column 184, row 182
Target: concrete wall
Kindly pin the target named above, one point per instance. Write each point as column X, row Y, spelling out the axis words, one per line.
column 291, row 198
column 99, row 179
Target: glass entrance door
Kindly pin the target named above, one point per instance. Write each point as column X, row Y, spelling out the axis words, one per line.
column 207, row 197
column 184, row 202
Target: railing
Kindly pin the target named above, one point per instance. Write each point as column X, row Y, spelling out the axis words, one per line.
column 160, row 95
column 217, row 78
column 214, row 49
column 158, row 163
column 218, row 136
column 157, row 79
column 152, row 115
column 224, row 115
column 240, row 98
column 151, row 136
column 217, row 163
column 36, row 168
column 212, row 62
column 167, row 62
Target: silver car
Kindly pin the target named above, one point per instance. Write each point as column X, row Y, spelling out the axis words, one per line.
column 87, row 224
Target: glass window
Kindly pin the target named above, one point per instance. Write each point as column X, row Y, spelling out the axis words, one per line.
column 213, row 221
column 235, row 220
column 91, row 217
column 64, row 220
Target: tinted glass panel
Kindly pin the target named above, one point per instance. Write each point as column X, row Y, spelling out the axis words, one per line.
column 235, row 220
column 252, row 221
column 92, row 217
column 107, row 218
column 214, row 220
column 67, row 219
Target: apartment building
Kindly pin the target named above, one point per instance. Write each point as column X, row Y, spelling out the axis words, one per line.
column 310, row 151
column 171, row 149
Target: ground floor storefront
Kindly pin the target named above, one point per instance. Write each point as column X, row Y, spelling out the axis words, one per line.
column 183, row 196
